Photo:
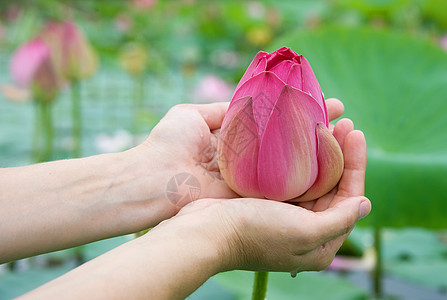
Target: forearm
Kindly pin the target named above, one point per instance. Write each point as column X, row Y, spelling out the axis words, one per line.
column 61, row 204
column 164, row 264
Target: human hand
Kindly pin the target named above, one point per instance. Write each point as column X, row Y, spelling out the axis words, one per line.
column 185, row 141
column 258, row 234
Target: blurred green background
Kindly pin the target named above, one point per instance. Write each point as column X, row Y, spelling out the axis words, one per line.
column 385, row 59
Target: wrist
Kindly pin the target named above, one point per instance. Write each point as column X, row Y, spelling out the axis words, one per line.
column 141, row 179
column 205, row 222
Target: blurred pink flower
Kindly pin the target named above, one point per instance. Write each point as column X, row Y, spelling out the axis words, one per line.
column 26, row 60
column 72, row 54
column 31, row 68
column 212, row 89
column 123, row 22
column 443, row 42
column 143, row 4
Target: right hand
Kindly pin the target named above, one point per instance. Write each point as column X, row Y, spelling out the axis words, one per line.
column 265, row 235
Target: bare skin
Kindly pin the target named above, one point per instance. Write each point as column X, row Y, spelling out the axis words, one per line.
column 61, row 204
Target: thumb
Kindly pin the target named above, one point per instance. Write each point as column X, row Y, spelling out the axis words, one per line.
column 339, row 219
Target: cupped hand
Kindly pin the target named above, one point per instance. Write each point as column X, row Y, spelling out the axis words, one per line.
column 185, row 141
column 259, row 234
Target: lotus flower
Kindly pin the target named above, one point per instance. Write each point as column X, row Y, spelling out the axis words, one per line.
column 275, row 142
column 72, row 54
column 32, row 69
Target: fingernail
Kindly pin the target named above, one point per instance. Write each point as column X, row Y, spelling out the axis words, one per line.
column 364, row 209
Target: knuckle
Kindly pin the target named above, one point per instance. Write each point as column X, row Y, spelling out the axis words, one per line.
column 349, row 222
column 181, row 107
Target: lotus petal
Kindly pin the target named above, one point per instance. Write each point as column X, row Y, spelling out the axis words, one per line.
column 330, row 165
column 249, row 72
column 279, row 55
column 287, row 161
column 45, row 83
column 282, row 69
column 238, row 148
column 295, row 78
column 265, row 89
column 262, row 65
column 81, row 60
column 26, row 60
column 311, row 86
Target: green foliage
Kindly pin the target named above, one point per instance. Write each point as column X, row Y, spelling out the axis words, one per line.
column 393, row 86
column 282, row 286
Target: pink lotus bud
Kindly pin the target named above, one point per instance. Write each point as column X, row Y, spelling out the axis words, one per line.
column 72, row 54
column 275, row 142
column 31, row 68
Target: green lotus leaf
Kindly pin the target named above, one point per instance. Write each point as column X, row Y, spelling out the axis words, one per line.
column 394, row 87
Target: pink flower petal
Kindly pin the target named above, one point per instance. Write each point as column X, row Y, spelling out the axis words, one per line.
column 26, row 60
column 330, row 165
column 311, row 85
column 265, row 89
column 45, row 83
column 282, row 69
column 261, row 66
column 279, row 55
column 249, row 72
column 287, row 161
column 294, row 78
column 238, row 148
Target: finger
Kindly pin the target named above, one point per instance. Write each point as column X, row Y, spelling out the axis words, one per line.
column 213, row 113
column 217, row 188
column 323, row 202
column 341, row 129
column 309, row 205
column 335, row 108
column 324, row 254
column 339, row 219
column 352, row 182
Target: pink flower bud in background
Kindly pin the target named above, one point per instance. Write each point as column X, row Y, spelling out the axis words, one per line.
column 275, row 142
column 212, row 89
column 443, row 42
column 31, row 68
column 72, row 54
column 143, row 4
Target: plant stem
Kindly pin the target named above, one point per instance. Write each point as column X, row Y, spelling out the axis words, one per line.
column 46, row 121
column 76, row 114
column 37, row 134
column 378, row 268
column 140, row 88
column 141, row 233
column 138, row 100
column 260, row 286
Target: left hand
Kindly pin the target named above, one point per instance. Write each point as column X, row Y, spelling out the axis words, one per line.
column 259, row 234
column 185, row 141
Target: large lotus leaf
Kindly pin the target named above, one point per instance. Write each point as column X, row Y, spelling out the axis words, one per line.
column 281, row 286
column 394, row 87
